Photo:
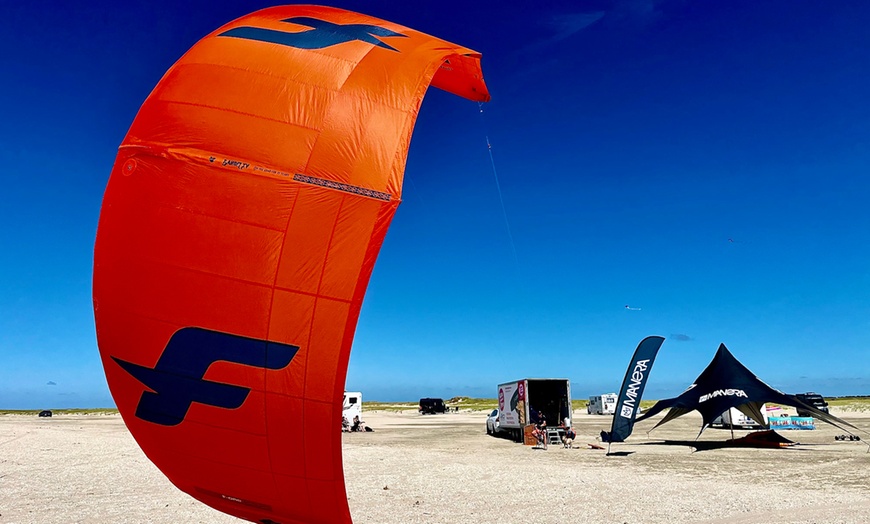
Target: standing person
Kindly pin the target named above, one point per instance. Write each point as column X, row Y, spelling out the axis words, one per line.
column 540, row 431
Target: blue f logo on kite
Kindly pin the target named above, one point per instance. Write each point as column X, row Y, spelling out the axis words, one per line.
column 322, row 34
column 177, row 380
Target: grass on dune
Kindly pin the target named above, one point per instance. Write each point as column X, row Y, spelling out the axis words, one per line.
column 467, row 404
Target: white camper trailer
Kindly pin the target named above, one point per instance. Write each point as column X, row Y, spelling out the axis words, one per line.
column 735, row 419
column 602, row 404
column 352, row 405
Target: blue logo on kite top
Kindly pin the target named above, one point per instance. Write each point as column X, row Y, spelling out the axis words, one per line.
column 322, row 34
column 176, row 381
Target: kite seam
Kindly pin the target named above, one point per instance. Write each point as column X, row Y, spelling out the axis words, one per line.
column 239, row 112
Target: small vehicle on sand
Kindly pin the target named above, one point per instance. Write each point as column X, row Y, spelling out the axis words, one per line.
column 492, row 425
column 431, row 406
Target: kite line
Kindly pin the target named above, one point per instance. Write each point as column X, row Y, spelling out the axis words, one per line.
column 507, row 224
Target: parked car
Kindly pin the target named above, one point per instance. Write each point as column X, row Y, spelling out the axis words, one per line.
column 492, row 423
column 812, row 399
column 430, row 406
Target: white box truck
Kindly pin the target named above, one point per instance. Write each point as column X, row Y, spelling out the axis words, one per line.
column 523, row 402
column 602, row 404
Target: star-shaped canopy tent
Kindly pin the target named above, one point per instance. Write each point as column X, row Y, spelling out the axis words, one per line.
column 725, row 384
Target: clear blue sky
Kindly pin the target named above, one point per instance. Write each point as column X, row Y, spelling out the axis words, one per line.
column 705, row 163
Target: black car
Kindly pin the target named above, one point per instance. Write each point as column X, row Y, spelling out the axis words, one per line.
column 430, row 406
column 811, row 399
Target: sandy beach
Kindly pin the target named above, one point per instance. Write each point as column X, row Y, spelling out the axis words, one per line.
column 445, row 469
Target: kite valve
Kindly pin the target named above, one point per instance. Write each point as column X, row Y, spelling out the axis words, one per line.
column 129, row 167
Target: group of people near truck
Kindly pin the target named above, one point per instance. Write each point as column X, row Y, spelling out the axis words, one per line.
column 539, row 432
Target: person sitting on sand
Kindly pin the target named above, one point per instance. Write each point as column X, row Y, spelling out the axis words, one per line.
column 568, row 438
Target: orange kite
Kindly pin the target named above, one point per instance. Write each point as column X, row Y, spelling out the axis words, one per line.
column 238, row 232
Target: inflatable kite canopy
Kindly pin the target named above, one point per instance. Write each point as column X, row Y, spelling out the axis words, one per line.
column 238, row 231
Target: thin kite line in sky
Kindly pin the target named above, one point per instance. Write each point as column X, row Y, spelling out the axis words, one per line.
column 500, row 197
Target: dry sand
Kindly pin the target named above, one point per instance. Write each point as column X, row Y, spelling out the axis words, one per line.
column 445, row 469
